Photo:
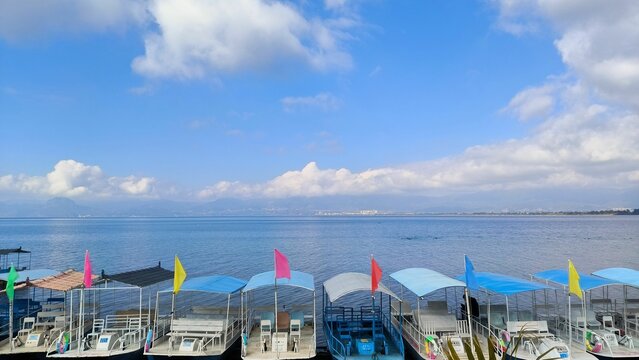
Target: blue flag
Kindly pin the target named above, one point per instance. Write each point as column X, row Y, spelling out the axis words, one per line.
column 471, row 281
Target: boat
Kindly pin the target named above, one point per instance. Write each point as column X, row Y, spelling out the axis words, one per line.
column 42, row 307
column 208, row 330
column 361, row 330
column 7, row 257
column 510, row 325
column 427, row 329
column 600, row 329
column 115, row 330
column 284, row 329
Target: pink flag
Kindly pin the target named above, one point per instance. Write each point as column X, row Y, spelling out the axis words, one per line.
column 87, row 271
column 282, row 270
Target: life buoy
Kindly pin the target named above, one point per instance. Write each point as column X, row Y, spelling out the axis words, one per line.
column 592, row 342
column 430, row 347
column 504, row 339
column 149, row 338
column 63, row 343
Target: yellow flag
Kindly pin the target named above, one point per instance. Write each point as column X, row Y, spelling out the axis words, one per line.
column 573, row 280
column 178, row 275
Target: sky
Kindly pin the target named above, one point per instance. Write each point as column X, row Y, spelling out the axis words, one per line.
column 198, row 100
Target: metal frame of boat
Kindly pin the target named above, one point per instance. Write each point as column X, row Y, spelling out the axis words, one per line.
column 203, row 332
column 48, row 320
column 584, row 321
column 368, row 331
column 121, row 335
column 296, row 338
column 427, row 330
column 536, row 337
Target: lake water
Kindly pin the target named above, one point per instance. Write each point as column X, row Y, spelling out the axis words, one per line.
column 326, row 246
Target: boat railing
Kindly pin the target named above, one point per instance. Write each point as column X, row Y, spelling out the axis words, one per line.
column 394, row 331
column 162, row 326
column 234, row 328
column 335, row 345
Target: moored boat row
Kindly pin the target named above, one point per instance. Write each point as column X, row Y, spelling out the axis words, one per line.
column 219, row 316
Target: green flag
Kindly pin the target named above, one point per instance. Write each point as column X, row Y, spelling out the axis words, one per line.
column 11, row 279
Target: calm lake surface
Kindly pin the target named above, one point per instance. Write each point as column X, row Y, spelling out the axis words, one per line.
column 326, row 246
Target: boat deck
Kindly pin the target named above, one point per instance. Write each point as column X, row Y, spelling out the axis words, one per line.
column 307, row 347
column 161, row 347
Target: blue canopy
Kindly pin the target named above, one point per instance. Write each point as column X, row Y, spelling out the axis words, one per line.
column 298, row 279
column 34, row 274
column 620, row 275
column 213, row 284
column 423, row 281
column 504, row 284
column 560, row 276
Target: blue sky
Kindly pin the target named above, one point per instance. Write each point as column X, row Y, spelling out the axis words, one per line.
column 199, row 100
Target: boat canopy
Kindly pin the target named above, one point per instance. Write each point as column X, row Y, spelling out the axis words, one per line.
column 423, row 281
column 298, row 279
column 504, row 284
column 64, row 281
column 14, row 251
column 347, row 283
column 219, row 284
column 560, row 276
column 31, row 275
column 141, row 277
column 620, row 275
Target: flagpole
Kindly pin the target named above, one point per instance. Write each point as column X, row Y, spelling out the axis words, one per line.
column 275, row 276
column 373, row 301
column 11, row 324
column 569, row 323
column 468, row 312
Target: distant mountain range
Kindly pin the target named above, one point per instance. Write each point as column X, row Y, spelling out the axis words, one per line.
column 325, row 206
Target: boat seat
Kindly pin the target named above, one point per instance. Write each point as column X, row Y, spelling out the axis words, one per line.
column 27, row 325
column 295, row 330
column 298, row 315
column 265, row 333
column 609, row 324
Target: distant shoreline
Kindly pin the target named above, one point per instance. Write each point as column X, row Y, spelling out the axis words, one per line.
column 361, row 214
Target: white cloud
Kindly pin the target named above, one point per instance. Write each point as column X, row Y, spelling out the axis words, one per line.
column 533, row 102
column 26, row 19
column 200, row 37
column 324, row 101
column 584, row 147
column 74, row 179
column 598, row 40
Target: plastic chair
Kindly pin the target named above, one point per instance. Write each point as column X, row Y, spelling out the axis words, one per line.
column 609, row 324
column 265, row 333
column 27, row 325
column 295, row 330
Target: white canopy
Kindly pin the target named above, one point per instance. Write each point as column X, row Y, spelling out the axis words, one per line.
column 347, row 283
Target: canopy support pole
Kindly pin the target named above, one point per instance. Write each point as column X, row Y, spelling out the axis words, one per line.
column 469, row 317
column 625, row 323
column 226, row 331
column 569, row 323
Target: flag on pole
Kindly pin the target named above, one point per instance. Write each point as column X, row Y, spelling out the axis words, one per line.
column 573, row 280
column 376, row 275
column 11, row 279
column 282, row 270
column 88, row 279
column 471, row 280
column 178, row 275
